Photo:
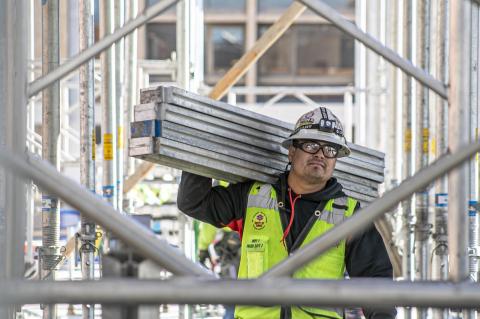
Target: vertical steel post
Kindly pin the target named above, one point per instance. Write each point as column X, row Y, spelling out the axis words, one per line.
column 184, row 58
column 50, row 250
column 119, row 96
column 373, row 65
column 109, row 132
column 383, row 78
column 360, row 73
column 477, row 136
column 13, row 83
column 473, row 163
column 440, row 250
column 198, row 45
column 408, row 165
column 87, row 144
column 30, row 192
column 131, row 77
column 399, row 96
column 348, row 105
column 183, row 44
column 422, row 228
column 392, row 121
column 458, row 135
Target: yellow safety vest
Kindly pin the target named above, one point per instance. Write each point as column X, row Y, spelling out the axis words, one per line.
column 262, row 249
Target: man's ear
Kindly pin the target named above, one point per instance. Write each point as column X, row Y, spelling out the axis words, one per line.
column 291, row 152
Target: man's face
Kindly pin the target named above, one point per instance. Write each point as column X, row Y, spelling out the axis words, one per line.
column 312, row 168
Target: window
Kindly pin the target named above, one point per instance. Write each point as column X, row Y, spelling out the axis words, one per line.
column 161, row 40
column 306, row 55
column 231, row 6
column 268, row 6
column 224, row 45
column 170, row 11
column 273, row 6
column 323, row 49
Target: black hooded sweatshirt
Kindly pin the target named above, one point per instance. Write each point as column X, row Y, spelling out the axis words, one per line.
column 365, row 254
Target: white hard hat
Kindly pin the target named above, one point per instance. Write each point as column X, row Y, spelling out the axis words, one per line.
column 320, row 125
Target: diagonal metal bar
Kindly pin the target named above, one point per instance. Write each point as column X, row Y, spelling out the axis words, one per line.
column 366, row 216
column 38, row 85
column 372, row 292
column 132, row 233
column 351, row 29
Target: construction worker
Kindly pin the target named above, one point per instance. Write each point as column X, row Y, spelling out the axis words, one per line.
column 206, row 236
column 225, row 257
column 276, row 219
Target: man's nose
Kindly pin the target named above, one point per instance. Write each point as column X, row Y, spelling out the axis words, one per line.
column 319, row 154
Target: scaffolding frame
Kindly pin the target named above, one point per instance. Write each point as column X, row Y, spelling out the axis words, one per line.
column 460, row 294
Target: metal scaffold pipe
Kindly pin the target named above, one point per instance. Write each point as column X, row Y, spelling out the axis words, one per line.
column 422, row 141
column 50, row 253
column 459, row 64
column 13, row 80
column 371, row 292
column 130, row 80
column 422, row 227
column 476, row 80
column 109, row 133
column 87, row 145
column 473, row 252
column 440, row 250
column 130, row 232
column 408, row 214
column 119, row 13
column 473, row 165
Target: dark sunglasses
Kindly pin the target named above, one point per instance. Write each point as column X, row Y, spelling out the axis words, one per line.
column 311, row 147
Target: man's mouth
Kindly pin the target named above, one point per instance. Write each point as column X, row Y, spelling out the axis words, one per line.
column 316, row 163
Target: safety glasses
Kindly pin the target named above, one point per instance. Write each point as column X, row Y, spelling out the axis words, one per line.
column 312, row 147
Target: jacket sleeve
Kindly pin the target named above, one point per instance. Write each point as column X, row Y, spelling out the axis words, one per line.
column 366, row 256
column 217, row 205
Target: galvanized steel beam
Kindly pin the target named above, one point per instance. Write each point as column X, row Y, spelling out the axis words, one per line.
column 371, row 292
column 132, row 233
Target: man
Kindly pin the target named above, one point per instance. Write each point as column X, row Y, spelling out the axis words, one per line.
column 275, row 220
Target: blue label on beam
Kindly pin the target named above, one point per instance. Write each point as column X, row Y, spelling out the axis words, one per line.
column 472, row 208
column 441, row 200
column 108, row 191
column 145, row 128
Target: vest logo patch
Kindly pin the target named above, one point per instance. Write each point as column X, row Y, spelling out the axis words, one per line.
column 259, row 221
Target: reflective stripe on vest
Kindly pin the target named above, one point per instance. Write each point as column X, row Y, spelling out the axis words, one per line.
column 262, row 248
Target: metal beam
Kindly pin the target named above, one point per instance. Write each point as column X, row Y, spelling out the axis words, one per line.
column 458, row 123
column 351, row 29
column 13, row 79
column 365, row 217
column 38, row 85
column 132, row 233
column 372, row 292
column 87, row 148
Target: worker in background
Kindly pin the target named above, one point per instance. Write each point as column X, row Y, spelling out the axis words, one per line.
column 206, row 236
column 280, row 218
column 225, row 257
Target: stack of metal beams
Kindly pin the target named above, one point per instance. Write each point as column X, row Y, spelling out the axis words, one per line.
column 190, row 132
